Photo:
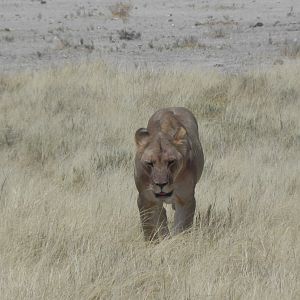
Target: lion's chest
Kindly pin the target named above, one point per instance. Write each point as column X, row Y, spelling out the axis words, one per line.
column 169, row 200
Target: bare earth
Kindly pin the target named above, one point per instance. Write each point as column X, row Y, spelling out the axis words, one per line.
column 231, row 36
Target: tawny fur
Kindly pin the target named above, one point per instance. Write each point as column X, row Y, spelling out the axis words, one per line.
column 168, row 164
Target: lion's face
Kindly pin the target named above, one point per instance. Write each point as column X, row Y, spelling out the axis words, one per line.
column 161, row 157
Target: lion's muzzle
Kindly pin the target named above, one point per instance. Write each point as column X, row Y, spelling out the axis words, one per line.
column 160, row 192
column 163, row 194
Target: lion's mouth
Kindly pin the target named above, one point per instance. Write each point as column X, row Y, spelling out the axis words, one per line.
column 162, row 194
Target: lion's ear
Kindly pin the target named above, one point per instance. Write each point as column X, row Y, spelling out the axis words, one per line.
column 141, row 137
column 179, row 135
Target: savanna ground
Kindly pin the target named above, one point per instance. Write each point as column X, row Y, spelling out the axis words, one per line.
column 227, row 35
column 69, row 223
column 68, row 217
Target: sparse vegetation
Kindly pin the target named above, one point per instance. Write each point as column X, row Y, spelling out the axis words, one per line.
column 188, row 42
column 9, row 38
column 227, row 6
column 213, row 22
column 291, row 49
column 69, row 222
column 129, row 35
column 121, row 10
column 218, row 33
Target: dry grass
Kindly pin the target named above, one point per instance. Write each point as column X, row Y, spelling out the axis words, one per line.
column 218, row 33
column 291, row 49
column 188, row 42
column 226, row 7
column 121, row 10
column 68, row 217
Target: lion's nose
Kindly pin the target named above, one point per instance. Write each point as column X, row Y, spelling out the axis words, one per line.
column 161, row 185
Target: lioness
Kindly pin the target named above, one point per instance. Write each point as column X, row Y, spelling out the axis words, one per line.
column 168, row 164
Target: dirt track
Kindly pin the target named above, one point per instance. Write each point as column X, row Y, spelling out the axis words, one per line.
column 227, row 35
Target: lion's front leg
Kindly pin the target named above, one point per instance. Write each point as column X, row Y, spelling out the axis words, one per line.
column 163, row 223
column 153, row 219
column 184, row 215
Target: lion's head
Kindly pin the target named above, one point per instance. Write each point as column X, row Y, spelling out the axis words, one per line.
column 161, row 155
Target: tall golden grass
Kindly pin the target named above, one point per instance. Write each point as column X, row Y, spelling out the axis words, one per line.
column 69, row 224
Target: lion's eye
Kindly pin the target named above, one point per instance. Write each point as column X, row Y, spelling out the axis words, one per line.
column 171, row 162
column 149, row 164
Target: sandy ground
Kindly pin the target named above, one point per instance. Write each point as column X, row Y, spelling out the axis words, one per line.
column 227, row 35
